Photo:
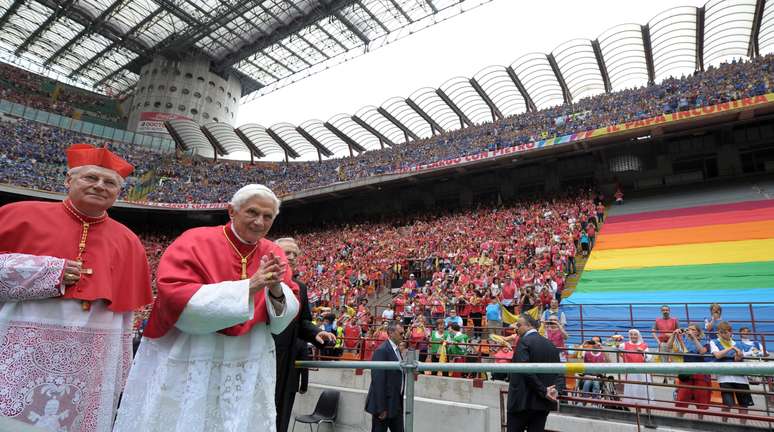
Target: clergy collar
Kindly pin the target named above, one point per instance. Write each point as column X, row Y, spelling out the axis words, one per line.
column 243, row 247
column 233, row 231
column 79, row 216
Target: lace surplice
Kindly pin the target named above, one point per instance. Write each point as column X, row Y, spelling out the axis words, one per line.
column 61, row 368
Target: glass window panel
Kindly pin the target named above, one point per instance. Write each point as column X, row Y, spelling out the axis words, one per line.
column 41, row 116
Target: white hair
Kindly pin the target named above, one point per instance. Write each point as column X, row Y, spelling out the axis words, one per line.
column 286, row 240
column 75, row 171
column 254, row 190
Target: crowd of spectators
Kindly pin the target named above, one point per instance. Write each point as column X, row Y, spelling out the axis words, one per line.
column 36, row 91
column 197, row 180
column 727, row 82
column 457, row 262
column 32, row 155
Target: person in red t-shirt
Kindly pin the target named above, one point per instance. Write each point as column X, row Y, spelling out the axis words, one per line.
column 592, row 233
column 600, row 212
column 352, row 334
column 400, row 304
column 501, row 354
column 509, row 295
column 662, row 329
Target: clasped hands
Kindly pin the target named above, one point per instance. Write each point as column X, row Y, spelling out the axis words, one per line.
column 269, row 274
column 552, row 393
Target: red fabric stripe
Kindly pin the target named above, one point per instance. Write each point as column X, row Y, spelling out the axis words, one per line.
column 697, row 220
column 690, row 211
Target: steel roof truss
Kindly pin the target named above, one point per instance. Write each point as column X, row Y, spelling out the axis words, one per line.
column 312, row 140
column 330, row 36
column 250, row 62
column 314, row 46
column 406, row 131
column 295, row 54
column 280, row 33
column 523, row 90
column 281, row 64
column 648, row 48
column 352, row 144
column 372, row 16
column 402, row 12
column 434, row 126
column 464, row 120
column 55, row 15
column 216, row 146
column 496, row 113
column 700, row 39
column 753, row 48
column 601, row 64
column 352, row 29
column 289, row 151
column 382, row 138
column 10, row 12
column 85, row 20
column 98, row 22
column 113, row 45
column 560, row 78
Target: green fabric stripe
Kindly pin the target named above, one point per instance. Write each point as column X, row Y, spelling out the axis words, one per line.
column 680, row 278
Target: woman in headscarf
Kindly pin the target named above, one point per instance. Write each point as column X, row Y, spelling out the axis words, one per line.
column 635, row 350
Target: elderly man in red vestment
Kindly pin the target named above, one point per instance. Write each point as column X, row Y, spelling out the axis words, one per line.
column 70, row 278
column 207, row 361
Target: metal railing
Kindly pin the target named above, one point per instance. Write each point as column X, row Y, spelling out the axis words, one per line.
column 410, row 366
column 587, row 320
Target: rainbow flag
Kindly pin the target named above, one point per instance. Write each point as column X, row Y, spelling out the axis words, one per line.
column 711, row 253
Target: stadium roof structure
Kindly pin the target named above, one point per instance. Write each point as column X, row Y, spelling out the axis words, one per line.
column 102, row 44
column 678, row 41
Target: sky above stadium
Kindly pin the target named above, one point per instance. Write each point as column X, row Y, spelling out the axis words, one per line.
column 496, row 33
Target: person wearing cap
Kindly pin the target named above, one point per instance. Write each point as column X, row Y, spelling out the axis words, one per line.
column 207, row 361
column 411, row 283
column 70, row 279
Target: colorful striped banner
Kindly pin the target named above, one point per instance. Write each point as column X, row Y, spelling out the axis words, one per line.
column 704, row 253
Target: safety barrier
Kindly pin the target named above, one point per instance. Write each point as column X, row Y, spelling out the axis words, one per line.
column 410, row 366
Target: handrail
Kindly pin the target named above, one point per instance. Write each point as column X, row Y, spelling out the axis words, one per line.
column 409, row 366
column 724, row 368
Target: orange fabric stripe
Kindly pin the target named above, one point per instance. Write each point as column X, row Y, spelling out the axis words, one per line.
column 676, row 236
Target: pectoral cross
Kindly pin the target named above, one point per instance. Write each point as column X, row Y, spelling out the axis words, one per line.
column 244, row 267
column 85, row 304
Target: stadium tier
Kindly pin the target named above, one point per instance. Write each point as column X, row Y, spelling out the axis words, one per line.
column 180, row 179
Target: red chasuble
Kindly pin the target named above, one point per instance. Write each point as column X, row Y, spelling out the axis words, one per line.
column 120, row 273
column 203, row 256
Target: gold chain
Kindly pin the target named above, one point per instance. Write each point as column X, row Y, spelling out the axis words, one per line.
column 242, row 257
column 85, row 305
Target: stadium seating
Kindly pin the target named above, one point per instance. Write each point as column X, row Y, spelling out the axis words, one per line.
column 27, row 88
column 181, row 180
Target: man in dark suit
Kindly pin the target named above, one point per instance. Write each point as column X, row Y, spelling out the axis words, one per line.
column 385, row 394
column 287, row 347
column 532, row 396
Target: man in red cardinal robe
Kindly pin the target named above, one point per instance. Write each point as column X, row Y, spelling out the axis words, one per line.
column 207, row 360
column 70, row 278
